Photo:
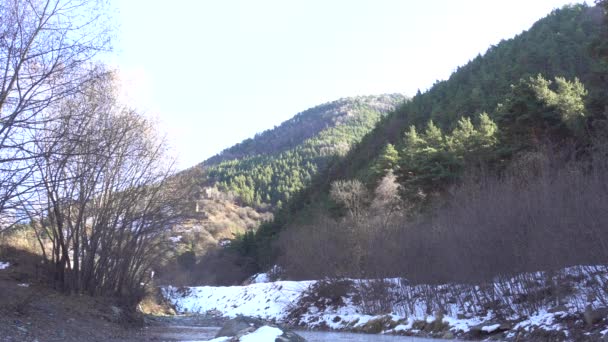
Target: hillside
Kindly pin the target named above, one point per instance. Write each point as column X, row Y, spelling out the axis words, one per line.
column 277, row 163
column 238, row 189
column 504, row 83
column 306, row 125
column 557, row 45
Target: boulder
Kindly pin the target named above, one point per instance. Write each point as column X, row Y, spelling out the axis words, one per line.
column 241, row 326
column 490, row 328
column 593, row 316
column 290, row 336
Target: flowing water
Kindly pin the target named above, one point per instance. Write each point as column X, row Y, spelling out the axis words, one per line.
column 191, row 334
column 199, row 328
column 322, row 336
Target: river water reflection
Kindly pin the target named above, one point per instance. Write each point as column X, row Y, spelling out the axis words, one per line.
column 192, row 334
column 322, row 336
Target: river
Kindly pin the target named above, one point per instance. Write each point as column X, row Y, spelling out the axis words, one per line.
column 195, row 329
column 322, row 336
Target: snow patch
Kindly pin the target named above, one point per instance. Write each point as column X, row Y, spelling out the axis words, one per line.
column 542, row 319
column 405, row 327
column 4, row 265
column 299, row 303
column 265, row 300
column 260, row 278
column 490, row 328
column 263, row 334
column 175, row 239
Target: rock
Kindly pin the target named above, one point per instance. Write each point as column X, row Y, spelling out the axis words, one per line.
column 290, row 336
column 377, row 325
column 116, row 310
column 448, row 335
column 238, row 326
column 490, row 328
column 558, row 308
column 593, row 316
column 241, row 326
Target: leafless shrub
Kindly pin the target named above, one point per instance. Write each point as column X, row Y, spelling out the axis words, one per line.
column 105, row 198
column 318, row 250
column 352, row 195
column 547, row 211
column 375, row 296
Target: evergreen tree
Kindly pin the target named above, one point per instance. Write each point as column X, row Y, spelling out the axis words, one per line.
column 388, row 160
column 533, row 110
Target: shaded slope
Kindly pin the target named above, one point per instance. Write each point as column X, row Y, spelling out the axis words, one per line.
column 558, row 45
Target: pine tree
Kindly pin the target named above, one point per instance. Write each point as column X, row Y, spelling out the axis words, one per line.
column 388, row 160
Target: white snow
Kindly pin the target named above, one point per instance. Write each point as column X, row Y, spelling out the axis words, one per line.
column 175, row 239
column 266, row 300
column 4, row 265
column 263, row 334
column 465, row 324
column 23, row 285
column 260, row 278
column 490, row 328
column 542, row 319
column 276, row 300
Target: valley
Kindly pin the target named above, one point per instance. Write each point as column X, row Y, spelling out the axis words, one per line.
column 472, row 210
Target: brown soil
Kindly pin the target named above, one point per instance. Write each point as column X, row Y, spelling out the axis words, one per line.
column 32, row 311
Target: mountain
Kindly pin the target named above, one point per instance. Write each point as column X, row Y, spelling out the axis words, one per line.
column 307, row 124
column 241, row 187
column 504, row 82
column 274, row 165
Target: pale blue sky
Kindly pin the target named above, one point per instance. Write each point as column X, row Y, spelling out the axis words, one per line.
column 217, row 72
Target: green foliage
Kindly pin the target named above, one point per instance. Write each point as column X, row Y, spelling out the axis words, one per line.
column 387, row 161
column 569, row 44
column 274, row 178
column 534, row 109
column 558, row 45
column 431, row 161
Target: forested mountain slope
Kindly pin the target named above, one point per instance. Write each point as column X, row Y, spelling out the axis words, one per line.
column 238, row 189
column 546, row 83
column 269, row 168
column 560, row 44
column 306, row 125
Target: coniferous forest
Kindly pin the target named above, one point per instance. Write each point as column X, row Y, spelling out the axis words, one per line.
column 527, row 99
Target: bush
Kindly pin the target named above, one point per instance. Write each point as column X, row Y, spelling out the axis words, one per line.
column 187, row 260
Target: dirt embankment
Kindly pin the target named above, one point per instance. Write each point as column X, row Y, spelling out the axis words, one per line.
column 32, row 311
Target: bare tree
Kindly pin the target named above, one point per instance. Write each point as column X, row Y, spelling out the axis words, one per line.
column 387, row 203
column 45, row 47
column 352, row 195
column 106, row 199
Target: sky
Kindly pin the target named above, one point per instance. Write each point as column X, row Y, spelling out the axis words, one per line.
column 215, row 72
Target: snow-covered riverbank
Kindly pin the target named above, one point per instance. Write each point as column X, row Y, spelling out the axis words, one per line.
column 445, row 311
